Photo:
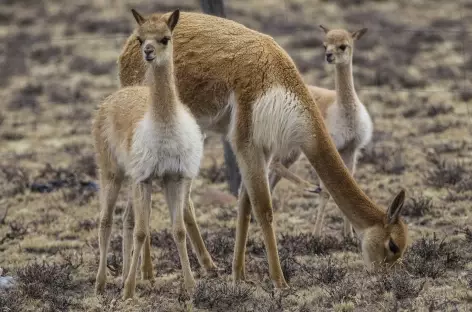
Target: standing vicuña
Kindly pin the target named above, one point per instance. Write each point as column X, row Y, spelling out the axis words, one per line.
column 147, row 132
column 346, row 118
column 238, row 81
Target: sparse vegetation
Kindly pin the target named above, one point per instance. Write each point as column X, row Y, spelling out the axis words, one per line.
column 418, row 206
column 49, row 283
column 402, row 285
column 307, row 244
column 330, row 271
column 387, row 160
column 342, row 291
column 13, row 181
column 445, row 173
column 432, row 257
column 216, row 295
column 50, row 87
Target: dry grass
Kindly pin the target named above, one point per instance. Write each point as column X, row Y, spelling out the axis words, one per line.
column 412, row 70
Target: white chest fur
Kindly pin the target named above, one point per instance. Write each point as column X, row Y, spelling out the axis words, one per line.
column 160, row 149
column 346, row 126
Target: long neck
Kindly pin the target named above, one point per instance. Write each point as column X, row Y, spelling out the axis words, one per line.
column 345, row 92
column 163, row 93
column 336, row 179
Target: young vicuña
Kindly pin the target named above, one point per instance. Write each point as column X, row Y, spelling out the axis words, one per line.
column 146, row 132
column 238, row 81
column 346, row 118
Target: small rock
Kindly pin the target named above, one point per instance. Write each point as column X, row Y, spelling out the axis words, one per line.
column 6, row 282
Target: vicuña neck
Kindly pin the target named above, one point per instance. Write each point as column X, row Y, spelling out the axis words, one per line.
column 337, row 180
column 345, row 92
column 163, row 97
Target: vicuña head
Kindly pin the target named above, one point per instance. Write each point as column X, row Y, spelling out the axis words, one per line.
column 339, row 44
column 155, row 36
column 385, row 245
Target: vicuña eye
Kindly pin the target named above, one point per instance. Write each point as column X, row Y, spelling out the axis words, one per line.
column 393, row 247
column 343, row 47
column 139, row 39
column 164, row 40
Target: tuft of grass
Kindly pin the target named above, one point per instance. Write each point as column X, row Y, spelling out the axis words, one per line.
column 219, row 296
column 17, row 230
column 13, row 181
column 342, row 291
column 87, row 165
column 439, row 109
column 330, row 272
column 49, row 283
column 307, row 244
column 432, row 257
column 11, row 300
column 87, row 225
column 402, row 285
column 387, row 160
column 290, row 266
column 74, row 187
column 114, row 264
column 465, row 184
column 468, row 234
column 444, row 173
column 418, row 206
column 169, row 260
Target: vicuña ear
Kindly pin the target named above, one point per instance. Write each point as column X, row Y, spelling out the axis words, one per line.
column 173, row 19
column 393, row 211
column 326, row 30
column 359, row 33
column 138, row 17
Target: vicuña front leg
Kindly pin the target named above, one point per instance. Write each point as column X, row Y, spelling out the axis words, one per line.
column 141, row 206
column 177, row 193
column 110, row 185
column 253, row 166
column 196, row 239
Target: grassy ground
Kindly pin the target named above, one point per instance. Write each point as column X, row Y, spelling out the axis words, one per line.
column 412, row 70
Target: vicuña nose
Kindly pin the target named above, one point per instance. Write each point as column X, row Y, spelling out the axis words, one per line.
column 148, row 49
column 329, row 55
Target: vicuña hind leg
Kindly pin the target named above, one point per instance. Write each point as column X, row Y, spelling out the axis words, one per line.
column 110, row 185
column 253, row 165
column 323, row 202
column 196, row 239
column 287, row 162
column 146, row 261
column 128, row 227
column 141, row 206
column 242, row 226
column 177, row 192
